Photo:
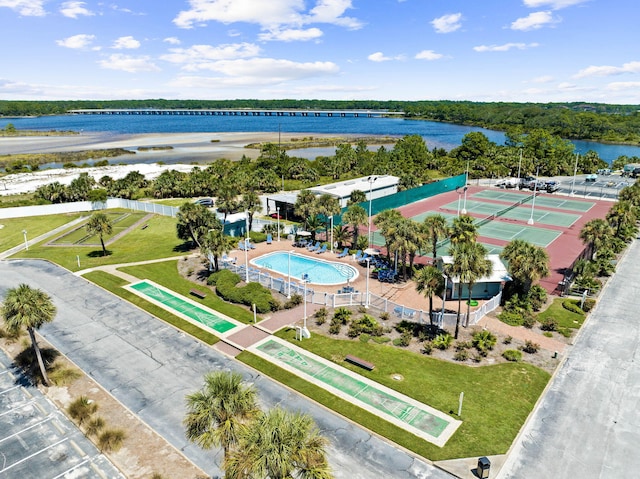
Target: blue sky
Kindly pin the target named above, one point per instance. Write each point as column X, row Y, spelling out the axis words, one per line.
column 480, row 50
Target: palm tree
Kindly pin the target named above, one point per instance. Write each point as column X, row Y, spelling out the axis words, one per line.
column 327, row 206
column 215, row 242
column 436, row 229
column 526, row 263
column 305, row 205
column 355, row 216
column 194, row 220
column 463, row 230
column 596, row 233
column 279, row 445
column 29, row 308
column 216, row 413
column 469, row 264
column 99, row 224
column 385, row 221
column 250, row 202
column 406, row 240
column 623, row 217
column 341, row 234
column 429, row 281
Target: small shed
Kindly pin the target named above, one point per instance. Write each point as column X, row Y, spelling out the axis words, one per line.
column 484, row 288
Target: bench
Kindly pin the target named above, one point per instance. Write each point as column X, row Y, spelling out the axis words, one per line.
column 144, row 227
column 359, row 362
column 198, row 293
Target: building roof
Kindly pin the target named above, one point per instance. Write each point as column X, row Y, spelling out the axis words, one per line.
column 498, row 275
column 343, row 189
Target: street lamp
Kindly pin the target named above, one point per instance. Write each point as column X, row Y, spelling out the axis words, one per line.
column 371, row 180
column 246, row 248
column 366, row 298
column 459, row 197
column 466, row 182
column 519, row 166
column 331, row 230
column 575, row 172
column 278, row 218
column 289, row 275
column 26, row 243
column 535, row 190
column 305, row 331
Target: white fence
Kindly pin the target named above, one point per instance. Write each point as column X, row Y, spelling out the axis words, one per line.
column 359, row 298
column 82, row 206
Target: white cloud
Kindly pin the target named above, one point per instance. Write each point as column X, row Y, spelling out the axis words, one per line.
column 542, row 79
column 128, row 63
column 626, row 86
column 606, row 70
column 428, row 55
column 505, row 47
column 75, row 9
column 27, row 8
column 270, row 14
column 272, row 69
column 77, row 41
column 534, row 21
column 126, row 43
column 553, row 4
column 199, row 57
column 447, row 23
column 378, row 57
column 172, row 40
column 291, row 35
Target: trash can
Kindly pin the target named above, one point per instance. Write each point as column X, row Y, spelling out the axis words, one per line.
column 484, row 464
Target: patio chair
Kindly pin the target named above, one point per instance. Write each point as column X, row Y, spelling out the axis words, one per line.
column 344, row 253
column 314, row 247
column 241, row 245
column 358, row 255
column 269, row 238
column 322, row 250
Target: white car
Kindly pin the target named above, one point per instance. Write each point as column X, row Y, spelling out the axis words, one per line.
column 591, row 177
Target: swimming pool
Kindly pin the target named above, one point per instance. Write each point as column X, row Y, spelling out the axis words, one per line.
column 319, row 271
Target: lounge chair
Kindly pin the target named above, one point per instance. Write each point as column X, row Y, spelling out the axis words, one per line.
column 322, row 250
column 241, row 245
column 314, row 247
column 344, row 253
column 358, row 255
column 269, row 238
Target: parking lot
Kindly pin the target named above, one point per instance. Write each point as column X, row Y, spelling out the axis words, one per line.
column 37, row 440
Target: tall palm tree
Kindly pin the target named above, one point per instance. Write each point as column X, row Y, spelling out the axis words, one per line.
column 622, row 216
column 356, row 216
column 305, row 204
column 341, row 234
column 100, row 224
column 327, row 206
column 596, row 233
column 250, row 203
column 385, row 221
column 526, row 263
column 194, row 221
column 215, row 242
column 436, row 229
column 463, row 230
column 429, row 282
column 216, row 413
column 406, row 240
column 29, row 308
column 279, row 445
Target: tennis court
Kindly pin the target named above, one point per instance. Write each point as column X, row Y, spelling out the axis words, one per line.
column 405, row 412
column 216, row 322
column 543, row 200
column 508, row 232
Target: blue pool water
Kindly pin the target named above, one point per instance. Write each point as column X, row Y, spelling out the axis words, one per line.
column 319, row 271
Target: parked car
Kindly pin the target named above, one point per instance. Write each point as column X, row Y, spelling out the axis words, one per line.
column 208, row 202
column 537, row 185
column 604, row 171
column 507, row 183
column 276, row 216
column 591, row 177
column 551, row 186
column 525, row 180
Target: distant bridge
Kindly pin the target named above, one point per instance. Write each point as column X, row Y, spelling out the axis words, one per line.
column 237, row 112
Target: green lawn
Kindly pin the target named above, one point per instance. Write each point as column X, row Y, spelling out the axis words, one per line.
column 158, row 240
column 566, row 319
column 497, row 399
column 114, row 285
column 120, row 220
column 11, row 233
column 166, row 274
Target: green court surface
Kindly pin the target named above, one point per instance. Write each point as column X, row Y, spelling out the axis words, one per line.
column 420, row 419
column 444, row 249
column 420, row 218
column 560, row 202
column 508, row 232
column 183, row 307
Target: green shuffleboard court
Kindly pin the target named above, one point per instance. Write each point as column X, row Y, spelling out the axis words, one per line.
column 545, row 200
column 409, row 414
column 216, row 322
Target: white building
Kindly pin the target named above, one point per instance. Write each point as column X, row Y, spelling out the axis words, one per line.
column 484, row 288
column 374, row 186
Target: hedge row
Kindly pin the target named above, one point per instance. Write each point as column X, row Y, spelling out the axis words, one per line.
column 225, row 282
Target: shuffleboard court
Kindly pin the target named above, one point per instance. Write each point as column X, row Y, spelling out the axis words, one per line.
column 403, row 411
column 216, row 322
column 545, row 200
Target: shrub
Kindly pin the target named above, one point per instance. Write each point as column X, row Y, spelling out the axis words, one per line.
column 529, row 321
column 427, row 347
column 548, row 334
column 461, row 355
column 111, row 440
column 366, row 324
column 588, row 305
column 334, row 328
column 381, row 340
column 507, row 340
column 572, row 305
column 342, row 315
column 404, row 340
column 384, row 316
column 295, row 300
column 252, row 293
column 549, row 324
column 484, row 340
column 321, row 316
column 94, row 426
column 566, row 332
column 364, row 338
column 81, row 409
column 442, row 341
column 530, row 347
column 62, row 376
column 511, row 318
column 462, row 345
column 512, row 355
column 537, row 297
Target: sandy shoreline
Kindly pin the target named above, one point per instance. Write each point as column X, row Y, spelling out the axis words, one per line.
column 188, row 149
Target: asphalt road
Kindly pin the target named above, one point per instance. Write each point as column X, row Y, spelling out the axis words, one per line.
column 588, row 423
column 150, row 367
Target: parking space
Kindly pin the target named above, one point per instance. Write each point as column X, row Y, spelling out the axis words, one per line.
column 37, row 440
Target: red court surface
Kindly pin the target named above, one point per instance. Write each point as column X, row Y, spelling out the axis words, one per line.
column 563, row 251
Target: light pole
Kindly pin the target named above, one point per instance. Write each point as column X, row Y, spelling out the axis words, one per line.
column 519, row 166
column 305, row 331
column 246, row 247
column 278, row 218
column 289, row 275
column 331, row 230
column 466, row 182
column 26, row 243
column 575, row 172
column 371, row 180
column 533, row 203
column 366, row 298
